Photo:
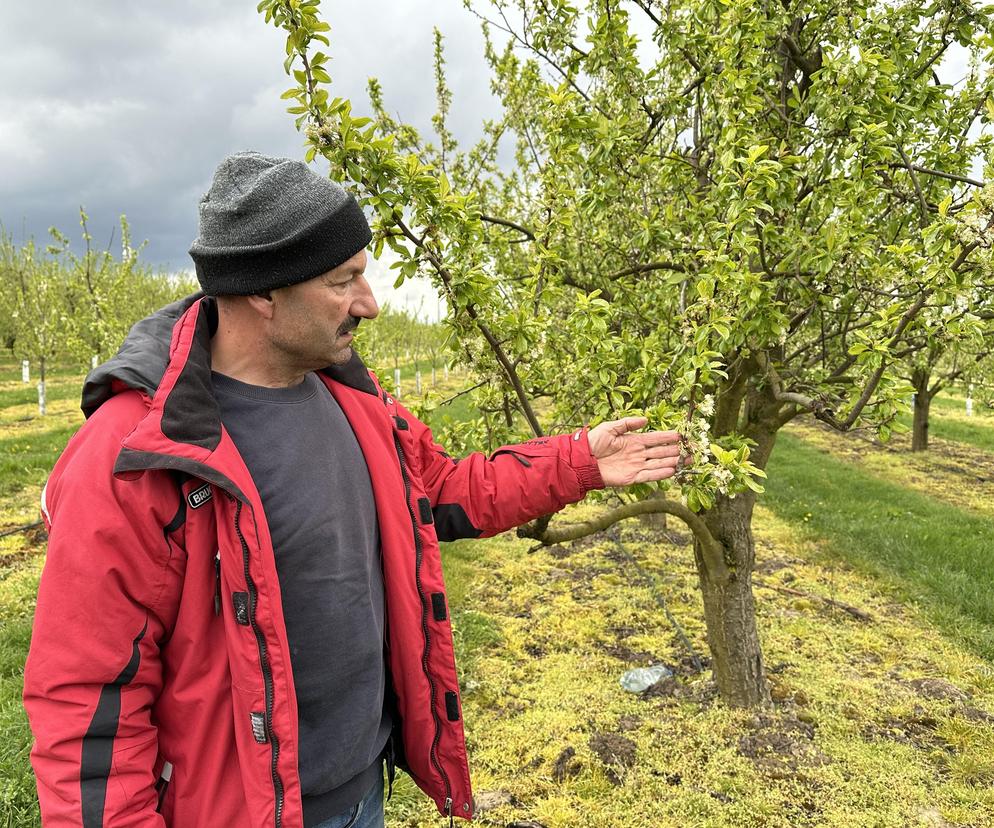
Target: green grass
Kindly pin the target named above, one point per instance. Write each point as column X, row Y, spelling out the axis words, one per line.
column 937, row 555
column 957, row 405
column 978, row 432
column 55, row 391
column 948, row 421
column 472, row 631
column 28, row 459
column 18, row 800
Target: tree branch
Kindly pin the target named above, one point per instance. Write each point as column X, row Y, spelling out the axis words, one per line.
column 495, row 346
column 939, row 174
column 819, row 408
column 713, row 552
column 646, row 268
column 922, row 205
column 505, row 223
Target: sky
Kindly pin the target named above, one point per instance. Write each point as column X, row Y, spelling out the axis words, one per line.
column 127, row 108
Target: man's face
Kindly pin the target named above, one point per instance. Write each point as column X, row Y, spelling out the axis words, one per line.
column 313, row 320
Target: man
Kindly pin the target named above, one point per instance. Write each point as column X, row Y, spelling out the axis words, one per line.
column 242, row 610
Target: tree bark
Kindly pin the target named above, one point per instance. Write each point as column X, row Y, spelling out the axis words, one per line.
column 729, row 607
column 654, row 520
column 923, row 402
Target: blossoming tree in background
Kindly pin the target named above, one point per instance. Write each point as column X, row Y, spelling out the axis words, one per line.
column 751, row 218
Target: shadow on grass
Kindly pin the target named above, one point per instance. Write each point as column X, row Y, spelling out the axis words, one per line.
column 936, row 555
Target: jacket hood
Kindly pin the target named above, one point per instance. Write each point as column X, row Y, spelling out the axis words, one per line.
column 142, row 360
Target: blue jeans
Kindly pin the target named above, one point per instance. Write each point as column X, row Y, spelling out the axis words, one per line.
column 368, row 813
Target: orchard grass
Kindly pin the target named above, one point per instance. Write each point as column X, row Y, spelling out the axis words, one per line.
column 549, row 725
column 958, row 474
column 955, row 403
column 948, row 420
column 29, row 447
column 934, row 554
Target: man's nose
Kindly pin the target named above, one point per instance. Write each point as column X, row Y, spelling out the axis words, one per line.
column 364, row 304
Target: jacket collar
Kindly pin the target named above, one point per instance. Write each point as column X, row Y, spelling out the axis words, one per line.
column 182, row 429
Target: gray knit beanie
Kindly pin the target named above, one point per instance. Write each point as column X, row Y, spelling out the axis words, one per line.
column 269, row 222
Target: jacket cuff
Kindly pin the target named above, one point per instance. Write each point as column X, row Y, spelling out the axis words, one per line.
column 583, row 462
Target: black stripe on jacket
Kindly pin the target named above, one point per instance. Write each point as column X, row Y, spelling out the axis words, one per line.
column 98, row 743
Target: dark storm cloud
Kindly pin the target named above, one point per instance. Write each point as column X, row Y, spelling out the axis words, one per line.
column 127, row 108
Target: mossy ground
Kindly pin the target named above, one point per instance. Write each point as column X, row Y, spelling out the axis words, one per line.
column 880, row 722
column 856, row 738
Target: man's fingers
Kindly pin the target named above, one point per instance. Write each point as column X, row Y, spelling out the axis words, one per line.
column 652, row 475
column 627, row 424
column 661, row 438
column 668, row 464
column 666, row 450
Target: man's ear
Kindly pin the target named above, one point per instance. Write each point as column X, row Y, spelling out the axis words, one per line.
column 262, row 304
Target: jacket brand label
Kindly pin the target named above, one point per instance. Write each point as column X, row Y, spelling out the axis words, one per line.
column 198, row 497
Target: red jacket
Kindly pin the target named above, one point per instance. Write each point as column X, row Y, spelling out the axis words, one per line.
column 159, row 648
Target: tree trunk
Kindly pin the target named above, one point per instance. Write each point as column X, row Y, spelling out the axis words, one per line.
column 923, row 401
column 42, row 402
column 729, row 608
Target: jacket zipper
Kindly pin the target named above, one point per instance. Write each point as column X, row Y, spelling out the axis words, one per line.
column 217, row 583
column 424, row 625
column 267, row 674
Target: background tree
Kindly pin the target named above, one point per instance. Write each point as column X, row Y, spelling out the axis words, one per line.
column 726, row 231
column 107, row 294
column 59, row 305
column 960, row 353
column 37, row 289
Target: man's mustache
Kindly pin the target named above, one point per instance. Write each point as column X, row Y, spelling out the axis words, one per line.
column 348, row 325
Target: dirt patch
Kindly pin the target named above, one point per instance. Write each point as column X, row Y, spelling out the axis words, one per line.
column 937, row 689
column 534, row 650
column 917, row 730
column 678, row 538
column 616, row 752
column 781, row 747
column 9, row 561
column 688, row 666
column 488, row 800
column 768, row 567
column 666, row 688
column 627, row 654
column 672, row 689
column 628, row 722
column 621, row 651
column 974, row 714
column 566, row 765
